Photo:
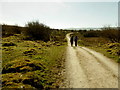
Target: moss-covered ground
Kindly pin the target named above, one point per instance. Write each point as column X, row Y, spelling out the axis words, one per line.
column 31, row 64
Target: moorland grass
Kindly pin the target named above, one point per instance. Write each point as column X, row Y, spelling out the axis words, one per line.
column 103, row 46
column 31, row 64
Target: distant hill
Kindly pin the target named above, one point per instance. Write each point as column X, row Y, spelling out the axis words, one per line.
column 83, row 28
column 88, row 28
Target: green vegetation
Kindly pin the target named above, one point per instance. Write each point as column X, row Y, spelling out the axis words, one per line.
column 32, row 57
column 59, row 35
column 31, row 64
column 8, row 30
column 106, row 41
column 37, row 31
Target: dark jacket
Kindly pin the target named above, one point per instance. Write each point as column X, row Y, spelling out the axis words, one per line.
column 71, row 39
column 76, row 38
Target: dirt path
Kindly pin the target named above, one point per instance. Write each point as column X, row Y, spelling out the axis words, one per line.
column 86, row 68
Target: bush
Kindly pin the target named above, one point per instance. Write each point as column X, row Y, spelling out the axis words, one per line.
column 8, row 30
column 58, row 35
column 92, row 33
column 37, row 31
column 111, row 33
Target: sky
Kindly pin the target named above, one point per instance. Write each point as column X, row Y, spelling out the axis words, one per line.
column 60, row 14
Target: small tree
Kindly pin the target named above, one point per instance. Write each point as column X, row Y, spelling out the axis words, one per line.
column 38, row 31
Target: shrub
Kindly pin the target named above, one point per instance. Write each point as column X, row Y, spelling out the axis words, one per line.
column 38, row 31
column 92, row 33
column 58, row 35
column 8, row 30
column 111, row 33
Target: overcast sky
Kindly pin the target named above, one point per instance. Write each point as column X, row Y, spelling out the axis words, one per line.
column 60, row 14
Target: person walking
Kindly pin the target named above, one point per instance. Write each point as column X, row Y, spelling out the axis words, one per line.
column 75, row 39
column 71, row 40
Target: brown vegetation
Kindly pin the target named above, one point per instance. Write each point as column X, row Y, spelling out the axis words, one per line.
column 106, row 41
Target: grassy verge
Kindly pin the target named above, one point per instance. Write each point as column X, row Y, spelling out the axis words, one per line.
column 106, row 53
column 101, row 45
column 31, row 64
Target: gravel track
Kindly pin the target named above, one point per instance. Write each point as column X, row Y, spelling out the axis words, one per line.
column 86, row 68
